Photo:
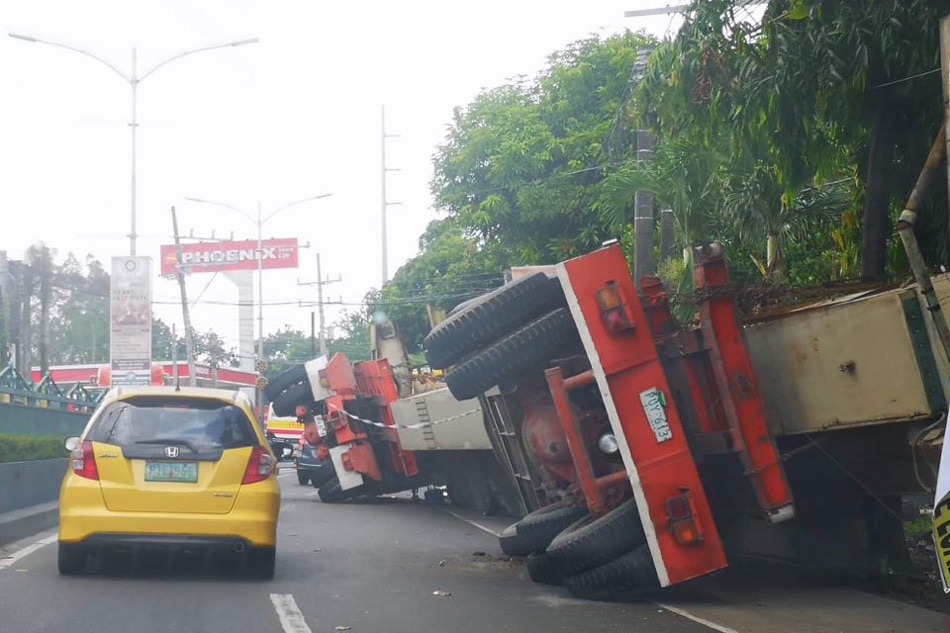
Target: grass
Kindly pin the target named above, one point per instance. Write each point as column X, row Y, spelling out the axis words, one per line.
column 918, row 527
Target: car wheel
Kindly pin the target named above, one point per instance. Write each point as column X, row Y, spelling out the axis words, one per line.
column 284, row 381
column 285, row 405
column 303, row 477
column 72, row 559
column 485, row 318
column 523, row 349
column 262, row 563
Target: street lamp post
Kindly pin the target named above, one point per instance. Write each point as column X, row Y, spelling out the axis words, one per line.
column 260, row 221
column 133, row 79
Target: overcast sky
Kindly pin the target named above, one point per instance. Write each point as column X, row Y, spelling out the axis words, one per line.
column 295, row 115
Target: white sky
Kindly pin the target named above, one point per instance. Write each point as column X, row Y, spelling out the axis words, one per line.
column 293, row 116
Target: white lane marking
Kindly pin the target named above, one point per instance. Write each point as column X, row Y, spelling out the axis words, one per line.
column 695, row 618
column 470, row 522
column 290, row 616
column 26, row 551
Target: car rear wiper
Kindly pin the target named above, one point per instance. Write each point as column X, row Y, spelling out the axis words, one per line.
column 186, row 443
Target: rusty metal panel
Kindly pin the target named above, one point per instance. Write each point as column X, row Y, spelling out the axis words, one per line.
column 458, row 425
column 839, row 364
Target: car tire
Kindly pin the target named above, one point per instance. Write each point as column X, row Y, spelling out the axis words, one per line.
column 285, row 381
column 485, row 318
column 303, row 477
column 285, row 405
column 262, row 563
column 632, row 573
column 71, row 559
column 591, row 542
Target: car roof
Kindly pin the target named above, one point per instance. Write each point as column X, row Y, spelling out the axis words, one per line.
column 224, row 395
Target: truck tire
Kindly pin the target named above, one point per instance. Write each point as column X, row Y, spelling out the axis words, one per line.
column 590, row 542
column 485, row 318
column 303, row 477
column 552, row 518
column 322, row 475
column 525, row 348
column 631, row 573
column 285, row 406
column 330, row 491
column 514, row 544
column 285, row 381
column 542, row 569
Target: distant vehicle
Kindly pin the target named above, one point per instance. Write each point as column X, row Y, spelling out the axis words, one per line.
column 158, row 467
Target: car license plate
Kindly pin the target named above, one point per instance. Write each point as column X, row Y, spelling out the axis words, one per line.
column 171, row 471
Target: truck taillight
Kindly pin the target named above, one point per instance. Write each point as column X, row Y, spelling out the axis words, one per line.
column 83, row 461
column 684, row 524
column 259, row 466
column 614, row 309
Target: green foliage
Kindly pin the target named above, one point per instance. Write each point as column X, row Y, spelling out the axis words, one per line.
column 21, row 448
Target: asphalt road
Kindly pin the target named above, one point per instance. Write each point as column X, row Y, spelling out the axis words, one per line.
column 398, row 566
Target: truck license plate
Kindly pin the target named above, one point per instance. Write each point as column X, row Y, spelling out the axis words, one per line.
column 171, row 471
column 654, row 405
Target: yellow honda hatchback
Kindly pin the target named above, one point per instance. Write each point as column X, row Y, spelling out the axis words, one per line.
column 174, row 470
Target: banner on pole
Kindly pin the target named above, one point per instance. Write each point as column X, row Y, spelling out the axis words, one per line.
column 130, row 319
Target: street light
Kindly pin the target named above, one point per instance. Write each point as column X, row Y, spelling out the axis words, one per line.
column 260, row 251
column 133, row 79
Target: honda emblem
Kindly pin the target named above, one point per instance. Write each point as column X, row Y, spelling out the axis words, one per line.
column 171, row 451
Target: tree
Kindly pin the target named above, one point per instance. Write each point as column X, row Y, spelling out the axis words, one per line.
column 522, row 165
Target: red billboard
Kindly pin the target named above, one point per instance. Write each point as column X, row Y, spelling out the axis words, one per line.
column 208, row 257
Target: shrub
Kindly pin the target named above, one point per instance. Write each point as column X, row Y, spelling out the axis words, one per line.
column 22, row 448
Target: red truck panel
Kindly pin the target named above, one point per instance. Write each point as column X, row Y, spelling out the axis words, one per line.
column 631, row 379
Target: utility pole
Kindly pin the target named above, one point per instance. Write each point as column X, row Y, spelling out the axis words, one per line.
column 320, row 283
column 185, row 313
column 385, row 203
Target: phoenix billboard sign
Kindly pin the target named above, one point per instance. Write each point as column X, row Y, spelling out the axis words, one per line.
column 224, row 256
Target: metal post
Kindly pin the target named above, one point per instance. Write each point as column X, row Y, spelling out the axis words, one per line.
column 260, row 295
column 175, row 372
column 945, row 76
column 667, row 235
column 134, row 82
column 186, row 315
column 323, row 336
column 383, row 178
column 643, row 215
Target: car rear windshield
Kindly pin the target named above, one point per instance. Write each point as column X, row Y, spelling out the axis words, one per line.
column 202, row 423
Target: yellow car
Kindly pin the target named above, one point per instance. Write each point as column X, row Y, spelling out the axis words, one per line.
column 170, row 469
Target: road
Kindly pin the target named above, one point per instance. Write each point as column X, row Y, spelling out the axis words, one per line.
column 399, row 566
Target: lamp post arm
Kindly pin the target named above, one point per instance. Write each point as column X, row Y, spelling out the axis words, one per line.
column 192, row 52
column 294, row 203
column 75, row 49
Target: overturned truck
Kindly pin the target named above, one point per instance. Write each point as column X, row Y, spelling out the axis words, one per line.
column 646, row 453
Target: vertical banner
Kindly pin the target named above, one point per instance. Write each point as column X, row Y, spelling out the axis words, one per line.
column 131, row 320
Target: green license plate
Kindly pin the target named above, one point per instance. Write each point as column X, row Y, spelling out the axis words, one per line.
column 171, row 471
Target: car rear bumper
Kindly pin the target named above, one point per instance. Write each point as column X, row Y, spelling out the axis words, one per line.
column 252, row 520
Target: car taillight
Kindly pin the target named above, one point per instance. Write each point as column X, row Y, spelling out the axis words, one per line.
column 259, row 466
column 83, row 461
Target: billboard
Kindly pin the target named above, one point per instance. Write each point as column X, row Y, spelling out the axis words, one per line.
column 130, row 328
column 205, row 257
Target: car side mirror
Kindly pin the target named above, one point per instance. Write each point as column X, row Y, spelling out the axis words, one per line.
column 71, row 443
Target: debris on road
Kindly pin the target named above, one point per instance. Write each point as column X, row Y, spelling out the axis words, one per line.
column 441, row 594
column 342, row 628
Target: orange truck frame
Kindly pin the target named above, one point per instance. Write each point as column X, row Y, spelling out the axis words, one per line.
column 643, row 451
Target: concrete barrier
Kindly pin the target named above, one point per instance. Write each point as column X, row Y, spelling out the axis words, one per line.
column 28, row 496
